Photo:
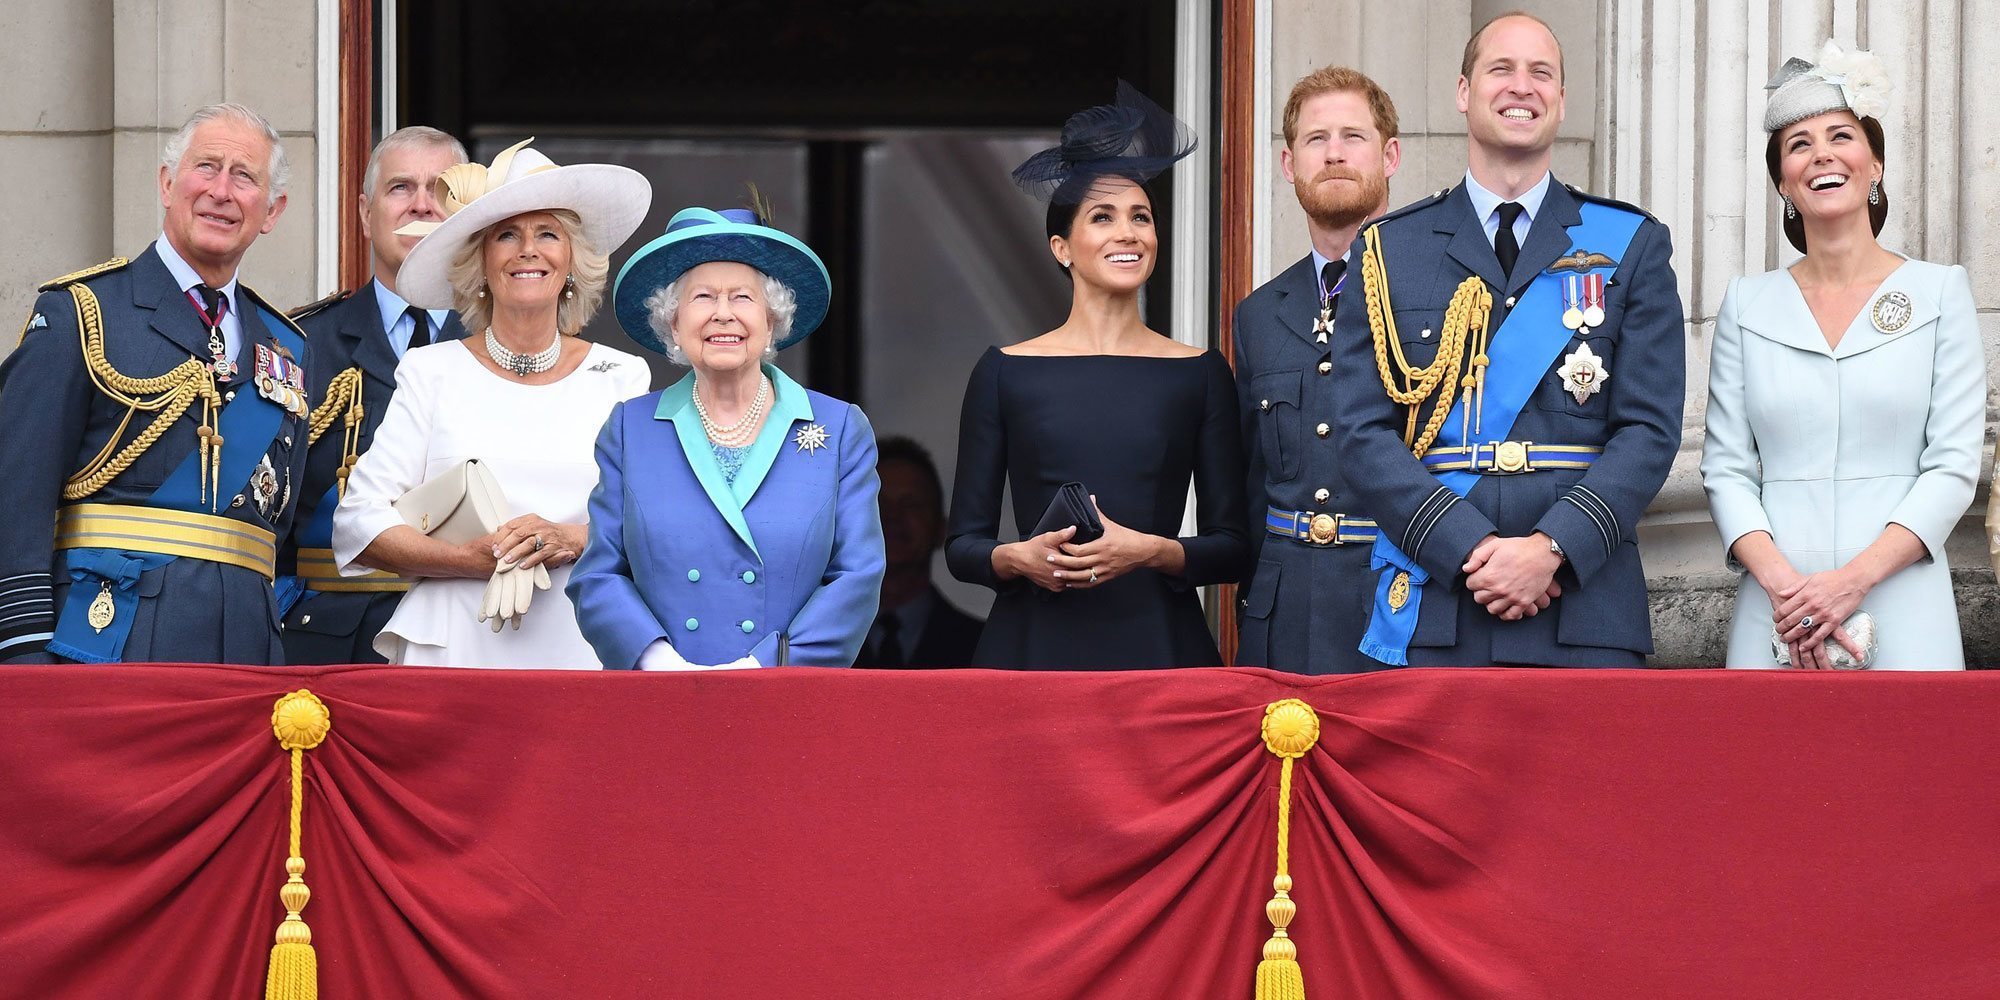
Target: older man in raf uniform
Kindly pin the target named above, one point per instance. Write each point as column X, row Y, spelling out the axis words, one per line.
column 156, row 415
column 358, row 338
column 1508, row 388
column 1306, row 603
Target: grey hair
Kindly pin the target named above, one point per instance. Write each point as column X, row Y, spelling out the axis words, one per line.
column 406, row 138
column 278, row 171
column 779, row 303
column 589, row 269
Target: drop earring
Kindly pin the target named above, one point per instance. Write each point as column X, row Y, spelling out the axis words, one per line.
column 1791, row 211
column 1874, row 192
column 569, row 287
column 482, row 291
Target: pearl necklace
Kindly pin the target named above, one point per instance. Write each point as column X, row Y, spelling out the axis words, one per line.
column 743, row 431
column 523, row 365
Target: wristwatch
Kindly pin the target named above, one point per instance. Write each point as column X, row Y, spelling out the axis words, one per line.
column 1556, row 547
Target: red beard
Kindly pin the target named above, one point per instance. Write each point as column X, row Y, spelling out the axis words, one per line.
column 1342, row 205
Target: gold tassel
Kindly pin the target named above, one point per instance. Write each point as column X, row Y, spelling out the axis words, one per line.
column 300, row 722
column 1290, row 729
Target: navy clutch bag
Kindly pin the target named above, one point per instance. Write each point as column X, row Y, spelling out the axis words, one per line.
column 1071, row 507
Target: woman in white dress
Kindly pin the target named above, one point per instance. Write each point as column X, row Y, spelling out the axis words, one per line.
column 523, row 254
column 1847, row 401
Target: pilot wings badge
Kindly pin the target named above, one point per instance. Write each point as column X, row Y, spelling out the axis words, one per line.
column 1583, row 373
column 1581, row 261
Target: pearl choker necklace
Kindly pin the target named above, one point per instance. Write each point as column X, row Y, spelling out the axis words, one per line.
column 523, row 365
column 742, row 432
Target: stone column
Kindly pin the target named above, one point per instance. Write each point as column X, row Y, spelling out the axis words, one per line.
column 55, row 138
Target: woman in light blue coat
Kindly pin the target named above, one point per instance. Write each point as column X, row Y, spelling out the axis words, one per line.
column 1847, row 402
column 734, row 522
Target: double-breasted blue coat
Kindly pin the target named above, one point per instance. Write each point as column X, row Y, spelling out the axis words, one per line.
column 793, row 547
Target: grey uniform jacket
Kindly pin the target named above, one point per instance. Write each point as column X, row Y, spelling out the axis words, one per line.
column 1601, row 619
column 1304, row 606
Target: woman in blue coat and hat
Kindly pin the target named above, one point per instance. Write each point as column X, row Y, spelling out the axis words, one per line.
column 734, row 522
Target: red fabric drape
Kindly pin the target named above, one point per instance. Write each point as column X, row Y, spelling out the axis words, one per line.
column 854, row 834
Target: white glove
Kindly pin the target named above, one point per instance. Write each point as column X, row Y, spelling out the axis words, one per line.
column 509, row 593
column 661, row 655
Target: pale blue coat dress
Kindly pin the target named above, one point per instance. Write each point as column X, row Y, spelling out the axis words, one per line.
column 1825, row 447
column 720, row 569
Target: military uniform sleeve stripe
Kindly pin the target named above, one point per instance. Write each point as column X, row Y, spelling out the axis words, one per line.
column 27, row 611
column 1427, row 518
column 1600, row 515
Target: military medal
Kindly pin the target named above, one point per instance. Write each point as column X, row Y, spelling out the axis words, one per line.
column 1891, row 312
column 1583, row 373
column 281, row 380
column 102, row 610
column 1399, row 591
column 1323, row 325
column 811, row 438
column 1593, row 299
column 1572, row 301
column 264, row 487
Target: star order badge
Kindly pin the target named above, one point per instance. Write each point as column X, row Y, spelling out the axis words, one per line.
column 1583, row 373
column 811, row 438
column 264, row 486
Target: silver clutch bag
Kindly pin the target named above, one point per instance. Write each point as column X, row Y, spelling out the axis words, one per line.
column 457, row 505
column 1860, row 627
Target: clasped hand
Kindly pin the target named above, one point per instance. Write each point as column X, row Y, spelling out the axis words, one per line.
column 1119, row 551
column 1827, row 598
column 1513, row 578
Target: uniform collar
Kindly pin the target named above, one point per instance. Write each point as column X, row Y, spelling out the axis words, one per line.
column 1485, row 203
column 393, row 306
column 185, row 276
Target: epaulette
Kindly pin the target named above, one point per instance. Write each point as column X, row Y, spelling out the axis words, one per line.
column 89, row 272
column 315, row 308
column 274, row 310
column 1612, row 202
column 1415, row 206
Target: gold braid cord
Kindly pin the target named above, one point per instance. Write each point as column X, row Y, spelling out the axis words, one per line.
column 300, row 721
column 169, row 395
column 1466, row 318
column 1290, row 729
column 343, row 398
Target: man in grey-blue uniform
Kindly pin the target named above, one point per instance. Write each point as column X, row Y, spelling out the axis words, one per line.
column 156, row 420
column 1508, row 392
column 358, row 338
column 1306, row 602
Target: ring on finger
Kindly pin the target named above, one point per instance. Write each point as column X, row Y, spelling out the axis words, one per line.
column 1806, row 622
column 538, row 542
column 1093, row 574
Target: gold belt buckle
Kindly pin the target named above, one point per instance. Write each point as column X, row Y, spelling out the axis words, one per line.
column 1511, row 457
column 1323, row 529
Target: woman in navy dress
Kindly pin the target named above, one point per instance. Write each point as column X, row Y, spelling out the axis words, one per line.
column 1107, row 402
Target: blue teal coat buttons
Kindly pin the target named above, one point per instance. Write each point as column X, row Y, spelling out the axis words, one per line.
column 693, row 623
column 694, row 576
column 749, row 576
column 748, row 626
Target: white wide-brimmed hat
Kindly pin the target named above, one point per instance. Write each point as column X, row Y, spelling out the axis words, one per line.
column 611, row 200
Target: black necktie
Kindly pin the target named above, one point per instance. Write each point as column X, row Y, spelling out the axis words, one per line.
column 889, row 651
column 1329, row 278
column 420, row 335
column 1505, row 246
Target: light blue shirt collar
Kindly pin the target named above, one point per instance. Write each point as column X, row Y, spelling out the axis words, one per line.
column 185, row 276
column 1486, row 207
column 396, row 321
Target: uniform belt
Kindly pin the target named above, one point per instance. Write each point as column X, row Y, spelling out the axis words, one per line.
column 1318, row 528
column 1510, row 458
column 318, row 571
column 167, row 532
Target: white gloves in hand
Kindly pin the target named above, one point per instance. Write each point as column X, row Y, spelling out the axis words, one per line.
column 661, row 655
column 509, row 593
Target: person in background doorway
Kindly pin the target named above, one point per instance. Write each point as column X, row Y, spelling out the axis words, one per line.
column 917, row 626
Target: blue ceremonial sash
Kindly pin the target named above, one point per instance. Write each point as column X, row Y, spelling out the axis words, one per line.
column 316, row 534
column 1520, row 354
column 248, row 424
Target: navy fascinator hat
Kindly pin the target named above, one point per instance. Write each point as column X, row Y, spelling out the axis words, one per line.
column 1132, row 138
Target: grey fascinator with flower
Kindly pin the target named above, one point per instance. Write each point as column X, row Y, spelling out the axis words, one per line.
column 1840, row 81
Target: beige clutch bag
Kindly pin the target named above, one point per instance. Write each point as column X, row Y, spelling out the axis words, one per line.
column 458, row 505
